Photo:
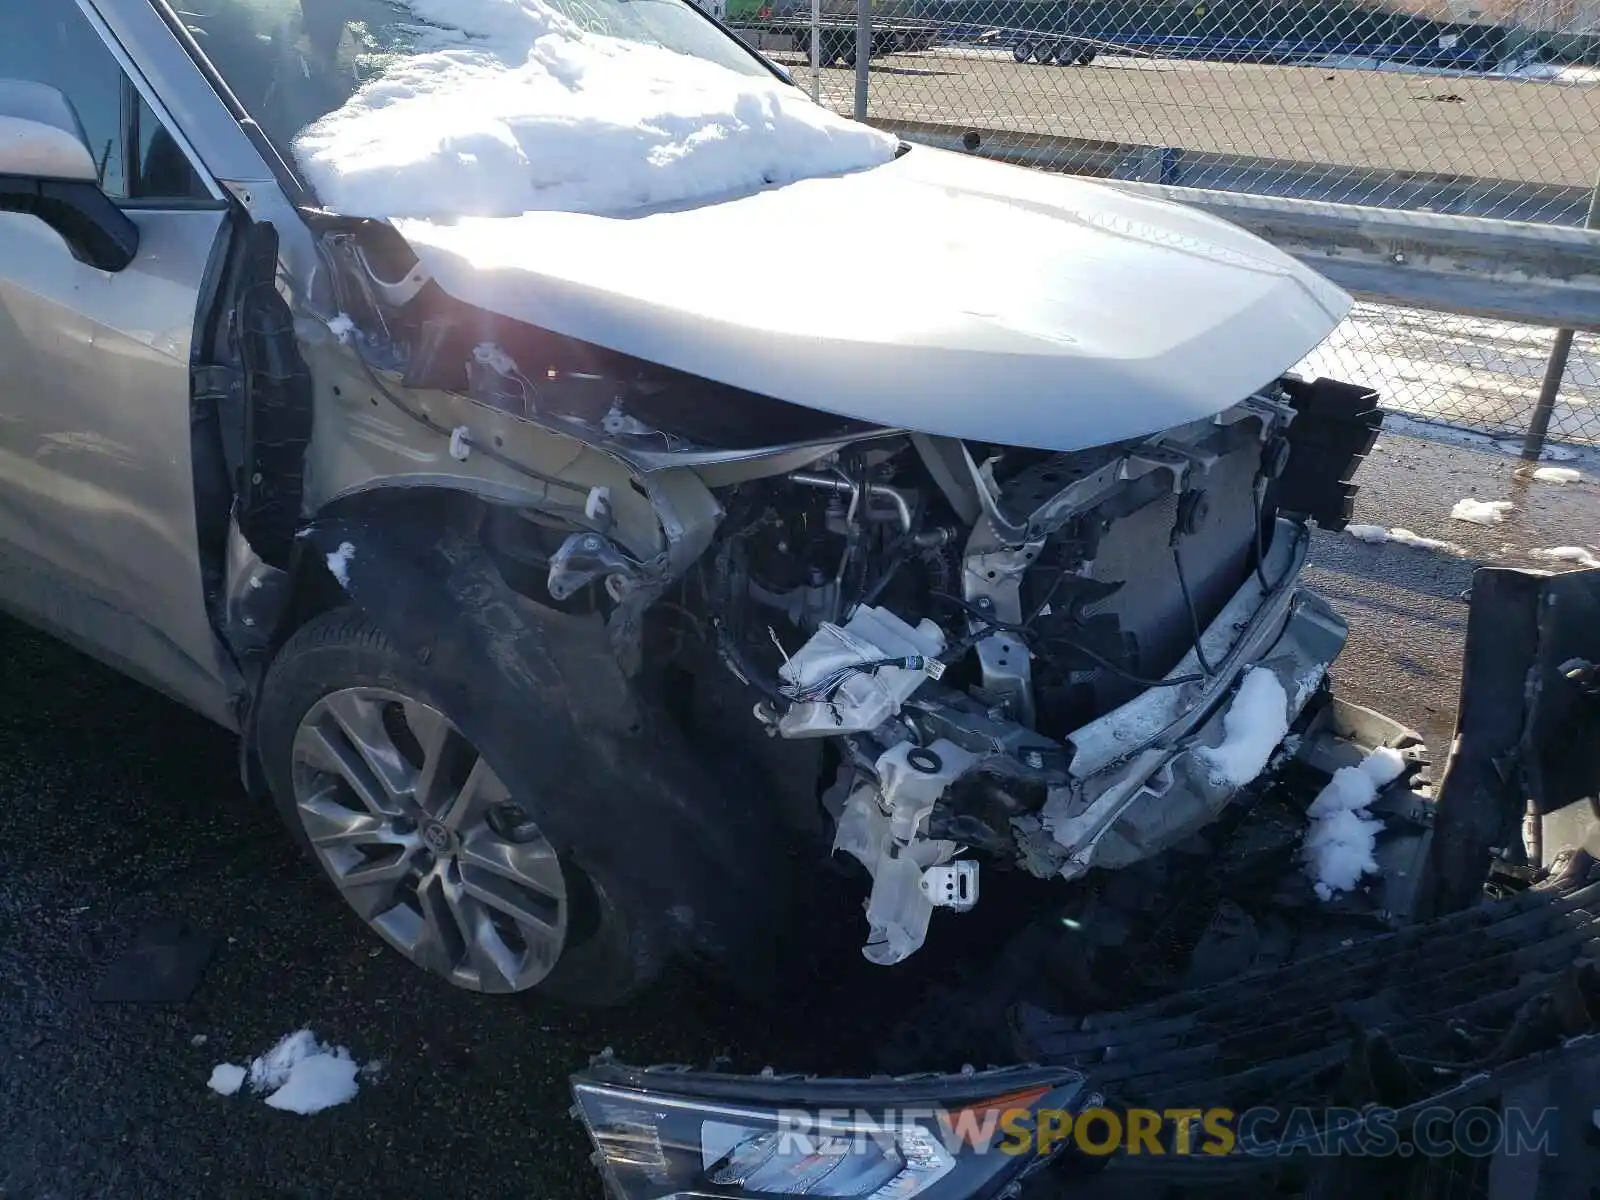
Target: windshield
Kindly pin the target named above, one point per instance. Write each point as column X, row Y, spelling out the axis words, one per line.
column 292, row 62
column 438, row 109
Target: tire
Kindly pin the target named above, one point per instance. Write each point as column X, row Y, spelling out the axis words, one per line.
column 1086, row 58
column 1022, row 51
column 468, row 860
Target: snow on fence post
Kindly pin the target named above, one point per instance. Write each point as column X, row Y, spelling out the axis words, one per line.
column 1556, row 369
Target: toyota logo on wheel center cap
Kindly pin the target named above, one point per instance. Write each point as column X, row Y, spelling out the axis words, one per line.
column 438, row 838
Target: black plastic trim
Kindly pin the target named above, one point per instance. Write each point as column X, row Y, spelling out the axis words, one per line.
column 278, row 405
column 1334, row 427
column 97, row 232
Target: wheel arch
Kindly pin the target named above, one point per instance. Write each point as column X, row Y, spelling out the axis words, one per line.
column 540, row 691
column 264, row 606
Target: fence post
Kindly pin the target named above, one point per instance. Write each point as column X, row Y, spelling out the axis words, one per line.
column 1556, row 368
column 816, row 51
column 863, row 54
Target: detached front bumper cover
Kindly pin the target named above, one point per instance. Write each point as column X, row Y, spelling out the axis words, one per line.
column 670, row 1134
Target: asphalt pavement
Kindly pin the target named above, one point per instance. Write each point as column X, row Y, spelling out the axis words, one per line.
column 118, row 808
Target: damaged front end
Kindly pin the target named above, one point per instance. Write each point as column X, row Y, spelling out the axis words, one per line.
column 933, row 652
column 1030, row 657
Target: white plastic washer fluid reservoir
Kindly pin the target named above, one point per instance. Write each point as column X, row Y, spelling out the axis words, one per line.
column 865, row 699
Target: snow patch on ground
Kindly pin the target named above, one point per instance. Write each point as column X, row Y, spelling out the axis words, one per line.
column 1338, row 846
column 271, row 1070
column 1252, row 728
column 1451, row 435
column 530, row 112
column 1558, row 475
column 1377, row 534
column 1553, row 453
column 339, row 563
column 1573, row 554
column 317, row 1082
column 1539, row 72
column 226, row 1078
column 1481, row 512
column 298, row 1075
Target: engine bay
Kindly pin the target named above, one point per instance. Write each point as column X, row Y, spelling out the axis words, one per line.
column 1006, row 651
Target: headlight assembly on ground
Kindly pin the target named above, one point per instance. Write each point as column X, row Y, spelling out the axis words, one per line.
column 667, row 1134
column 681, row 1136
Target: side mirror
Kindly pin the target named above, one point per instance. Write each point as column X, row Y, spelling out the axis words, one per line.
column 47, row 171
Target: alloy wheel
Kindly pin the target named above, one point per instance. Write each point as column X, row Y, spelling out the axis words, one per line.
column 426, row 843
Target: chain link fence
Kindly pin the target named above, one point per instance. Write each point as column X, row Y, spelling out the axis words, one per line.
column 1486, row 108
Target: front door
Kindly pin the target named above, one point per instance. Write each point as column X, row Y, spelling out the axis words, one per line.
column 97, row 515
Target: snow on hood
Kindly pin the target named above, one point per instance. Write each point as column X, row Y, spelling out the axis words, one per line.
column 512, row 108
column 937, row 292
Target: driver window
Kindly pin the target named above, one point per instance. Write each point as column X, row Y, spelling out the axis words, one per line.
column 137, row 159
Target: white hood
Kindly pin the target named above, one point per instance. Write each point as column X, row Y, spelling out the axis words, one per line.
column 937, row 292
